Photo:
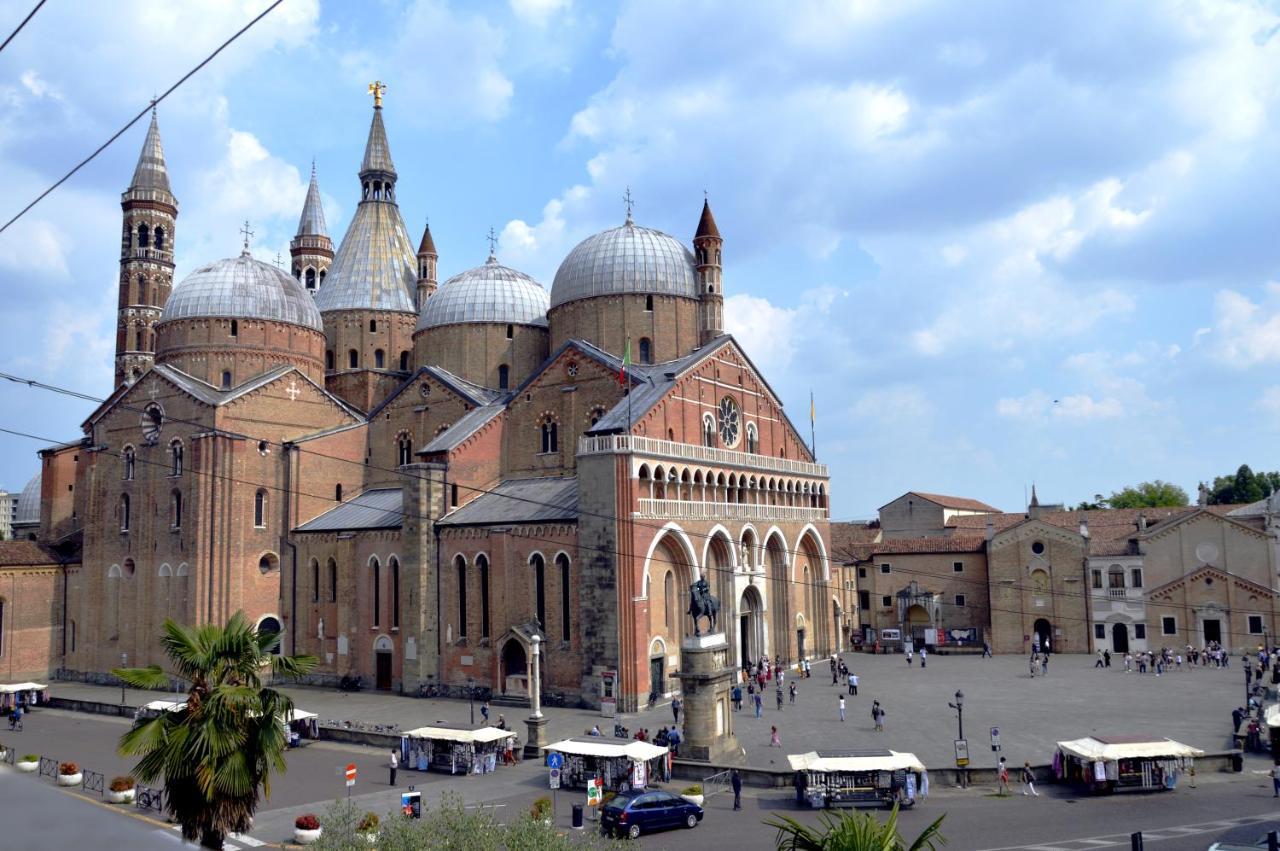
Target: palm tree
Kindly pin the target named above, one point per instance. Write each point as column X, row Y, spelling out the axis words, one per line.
column 845, row 832
column 214, row 753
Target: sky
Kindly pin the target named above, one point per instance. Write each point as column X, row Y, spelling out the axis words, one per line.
column 1000, row 243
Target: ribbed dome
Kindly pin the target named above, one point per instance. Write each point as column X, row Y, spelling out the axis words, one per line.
column 626, row 259
column 243, row 288
column 28, row 510
column 488, row 293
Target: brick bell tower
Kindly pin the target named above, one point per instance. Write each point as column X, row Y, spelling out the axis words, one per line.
column 146, row 258
column 311, row 249
column 706, row 248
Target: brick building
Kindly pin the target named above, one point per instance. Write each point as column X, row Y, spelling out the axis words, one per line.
column 412, row 481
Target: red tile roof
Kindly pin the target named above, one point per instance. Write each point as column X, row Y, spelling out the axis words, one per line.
column 960, row 502
column 23, row 553
column 921, row 546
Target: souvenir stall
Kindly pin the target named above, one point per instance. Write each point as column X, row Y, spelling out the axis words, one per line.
column 1123, row 763
column 861, row 778
column 156, row 707
column 28, row 694
column 300, row 725
column 457, row 750
column 1272, row 718
column 620, row 763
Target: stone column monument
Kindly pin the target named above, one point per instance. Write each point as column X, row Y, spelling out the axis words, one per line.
column 706, row 679
column 536, row 722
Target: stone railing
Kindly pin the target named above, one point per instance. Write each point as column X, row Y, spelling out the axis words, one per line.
column 615, row 443
column 677, row 509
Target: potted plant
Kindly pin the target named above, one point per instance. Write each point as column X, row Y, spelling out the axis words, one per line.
column 121, row 790
column 69, row 774
column 28, row 763
column 693, row 794
column 541, row 810
column 306, row 829
column 368, row 827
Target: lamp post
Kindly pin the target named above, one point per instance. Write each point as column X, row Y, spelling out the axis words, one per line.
column 962, row 757
column 471, row 693
column 958, row 706
column 124, row 663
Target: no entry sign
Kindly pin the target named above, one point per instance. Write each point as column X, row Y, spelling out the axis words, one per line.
column 351, row 774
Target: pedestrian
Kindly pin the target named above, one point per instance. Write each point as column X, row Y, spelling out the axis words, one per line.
column 1032, row 664
column 835, row 673
column 908, row 654
column 1029, row 781
column 759, row 705
column 1237, row 715
column 737, row 698
column 1106, row 657
column 842, row 709
column 791, row 694
column 735, row 780
column 924, row 657
column 778, row 692
column 986, row 649
column 853, row 683
column 502, row 722
column 1044, row 664
column 393, row 765
column 1002, row 778
column 808, row 670
column 676, row 705
column 484, row 711
column 1275, row 781
column 775, row 741
column 1098, row 664
column 877, row 715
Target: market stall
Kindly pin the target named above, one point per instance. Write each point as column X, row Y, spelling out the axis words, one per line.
column 28, row 694
column 620, row 763
column 1123, row 763
column 457, row 750
column 858, row 778
column 300, row 725
column 156, row 707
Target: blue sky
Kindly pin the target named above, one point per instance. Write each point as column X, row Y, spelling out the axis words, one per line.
column 1000, row 247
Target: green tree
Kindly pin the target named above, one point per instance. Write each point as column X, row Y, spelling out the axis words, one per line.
column 1157, row 494
column 852, row 832
column 217, row 752
column 1243, row 487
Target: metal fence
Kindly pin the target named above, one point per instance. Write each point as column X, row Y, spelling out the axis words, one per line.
column 48, row 767
column 93, row 782
column 715, row 784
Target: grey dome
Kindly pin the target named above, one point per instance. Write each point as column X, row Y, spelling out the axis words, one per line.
column 488, row 293
column 626, row 259
column 242, row 288
column 28, row 510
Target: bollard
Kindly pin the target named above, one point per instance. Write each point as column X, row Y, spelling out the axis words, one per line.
column 1273, row 841
column 1135, row 841
column 577, row 816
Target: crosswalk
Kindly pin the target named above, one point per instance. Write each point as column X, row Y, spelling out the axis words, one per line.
column 1121, row 840
column 234, row 842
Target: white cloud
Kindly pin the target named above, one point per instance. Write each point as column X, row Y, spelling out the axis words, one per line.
column 766, row 332
column 1038, row 406
column 1032, row 406
column 538, row 12
column 1245, row 333
column 896, row 403
column 36, row 245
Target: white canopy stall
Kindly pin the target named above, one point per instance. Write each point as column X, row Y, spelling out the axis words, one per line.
column 1123, row 763
column 156, row 707
column 858, row 778
column 620, row 763
column 458, row 750
column 28, row 694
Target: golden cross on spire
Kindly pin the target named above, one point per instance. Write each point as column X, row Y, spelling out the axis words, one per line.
column 377, row 89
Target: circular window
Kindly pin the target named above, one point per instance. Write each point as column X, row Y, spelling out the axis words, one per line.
column 425, row 389
column 730, row 421
column 268, row 562
column 1207, row 552
column 1037, row 547
column 1208, row 580
column 572, row 369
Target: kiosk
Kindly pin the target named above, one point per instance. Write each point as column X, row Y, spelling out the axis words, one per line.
column 858, row 778
column 457, row 750
column 1123, row 763
column 28, row 694
column 156, row 707
column 619, row 763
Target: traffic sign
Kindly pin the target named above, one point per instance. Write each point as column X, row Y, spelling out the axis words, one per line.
column 595, row 788
column 555, row 778
column 995, row 738
column 351, row 774
column 962, row 752
column 555, row 760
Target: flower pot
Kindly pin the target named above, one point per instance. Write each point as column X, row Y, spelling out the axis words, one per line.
column 28, row 767
column 70, row 779
column 694, row 799
column 305, row 837
column 125, row 797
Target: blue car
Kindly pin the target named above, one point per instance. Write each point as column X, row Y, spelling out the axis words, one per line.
column 637, row 812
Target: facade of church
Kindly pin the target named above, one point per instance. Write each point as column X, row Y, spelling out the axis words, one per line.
column 412, row 480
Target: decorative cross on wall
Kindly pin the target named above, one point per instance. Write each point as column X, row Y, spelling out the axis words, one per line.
column 293, row 389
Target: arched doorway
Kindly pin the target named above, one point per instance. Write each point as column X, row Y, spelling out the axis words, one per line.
column 775, row 552
column 270, row 626
column 750, row 626
column 382, row 663
column 1044, row 632
column 918, row 621
column 670, row 570
column 515, row 668
column 1119, row 638
column 657, row 670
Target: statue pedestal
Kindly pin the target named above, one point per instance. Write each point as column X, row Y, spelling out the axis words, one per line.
column 706, row 678
column 537, row 738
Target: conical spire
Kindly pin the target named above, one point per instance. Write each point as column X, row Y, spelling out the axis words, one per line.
column 150, row 173
column 312, row 221
column 377, row 152
column 707, row 224
column 1035, row 501
column 428, row 245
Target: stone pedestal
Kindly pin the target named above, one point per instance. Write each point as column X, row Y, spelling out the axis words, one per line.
column 537, row 736
column 706, row 679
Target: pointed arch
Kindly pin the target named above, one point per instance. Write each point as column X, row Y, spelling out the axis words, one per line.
column 685, row 546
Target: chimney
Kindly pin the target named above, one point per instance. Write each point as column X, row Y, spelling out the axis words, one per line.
column 1142, row 521
column 991, row 529
column 1084, row 528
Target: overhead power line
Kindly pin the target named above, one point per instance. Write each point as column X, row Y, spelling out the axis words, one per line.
column 29, row 16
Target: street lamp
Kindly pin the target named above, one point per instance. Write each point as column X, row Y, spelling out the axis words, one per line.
column 958, row 706
column 124, row 663
column 471, row 693
column 962, row 756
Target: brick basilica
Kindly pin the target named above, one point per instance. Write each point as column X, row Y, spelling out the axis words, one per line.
column 413, row 480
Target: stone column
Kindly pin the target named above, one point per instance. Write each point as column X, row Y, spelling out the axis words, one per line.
column 706, row 680
column 536, row 723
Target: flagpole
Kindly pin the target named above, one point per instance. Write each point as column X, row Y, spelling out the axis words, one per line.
column 813, row 430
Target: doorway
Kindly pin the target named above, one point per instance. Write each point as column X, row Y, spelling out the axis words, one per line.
column 1044, row 631
column 515, row 669
column 750, row 626
column 918, row 621
column 1119, row 638
column 800, row 649
column 1212, row 631
column 657, row 677
column 382, row 671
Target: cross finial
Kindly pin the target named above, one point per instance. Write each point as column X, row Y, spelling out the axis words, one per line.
column 626, row 198
column 247, row 235
column 279, row 262
column 493, row 244
column 154, row 100
column 376, row 88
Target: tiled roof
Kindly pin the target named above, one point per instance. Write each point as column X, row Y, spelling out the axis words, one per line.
column 469, row 424
column 960, row 502
column 377, row 508
column 538, row 500
column 21, row 553
column 850, row 534
column 938, row 544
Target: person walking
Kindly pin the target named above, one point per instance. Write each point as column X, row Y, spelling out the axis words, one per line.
column 924, row 657
column 737, row 698
column 1098, row 664
column 735, row 780
column 791, row 694
column 393, row 765
column 676, row 706
column 1275, row 781
column 986, row 649
column 1029, row 781
column 877, row 715
column 778, row 691
column 842, row 709
column 484, row 711
column 907, row 651
column 853, row 683
column 775, row 741
column 759, row 704
column 1002, row 778
column 1106, row 658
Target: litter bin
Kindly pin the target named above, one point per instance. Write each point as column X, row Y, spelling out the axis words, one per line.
column 577, row 816
column 1237, row 762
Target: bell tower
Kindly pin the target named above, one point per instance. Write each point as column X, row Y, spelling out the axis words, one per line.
column 427, row 258
column 311, row 249
column 706, row 248
column 146, row 258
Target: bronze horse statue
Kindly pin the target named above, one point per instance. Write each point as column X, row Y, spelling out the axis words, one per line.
column 701, row 603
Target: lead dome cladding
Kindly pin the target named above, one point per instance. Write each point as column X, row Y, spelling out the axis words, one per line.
column 243, row 288
column 626, row 259
column 27, row 512
column 488, row 293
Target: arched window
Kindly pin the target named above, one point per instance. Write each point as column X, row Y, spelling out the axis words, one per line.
column 504, row 376
column 159, row 238
column 562, row 561
column 337, row 493
column 124, row 512
column 511, row 332
column 373, row 326
column 405, row 446
column 73, row 631
column 268, row 562
column 378, row 358
column 140, row 341
column 404, row 361
column 328, row 359
column 141, row 294
column 235, row 328
column 2, row 625
column 395, row 593
column 550, row 438
column 260, row 508
column 539, row 588
column 708, row 430
column 353, row 359
column 333, row 581
column 753, row 439
column 144, row 237
column 322, row 272
column 315, row 581
column 646, row 350
column 1115, row 576
column 460, row 569
column 129, row 463
column 311, row 278
column 226, row 379
column 482, row 570
column 175, row 501
column 375, row 576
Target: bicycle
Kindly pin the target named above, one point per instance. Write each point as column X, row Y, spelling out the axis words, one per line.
column 428, row 690
column 15, row 724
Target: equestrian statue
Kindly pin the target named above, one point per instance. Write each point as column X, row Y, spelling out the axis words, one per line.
column 701, row 602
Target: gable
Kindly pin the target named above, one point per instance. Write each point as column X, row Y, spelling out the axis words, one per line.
column 287, row 405
column 1200, row 516
column 1166, row 591
column 1034, row 528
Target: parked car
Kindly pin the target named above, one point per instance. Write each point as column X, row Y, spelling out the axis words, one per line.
column 637, row 812
column 1249, row 837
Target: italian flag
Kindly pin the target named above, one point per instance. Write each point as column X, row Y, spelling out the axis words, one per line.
column 626, row 362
